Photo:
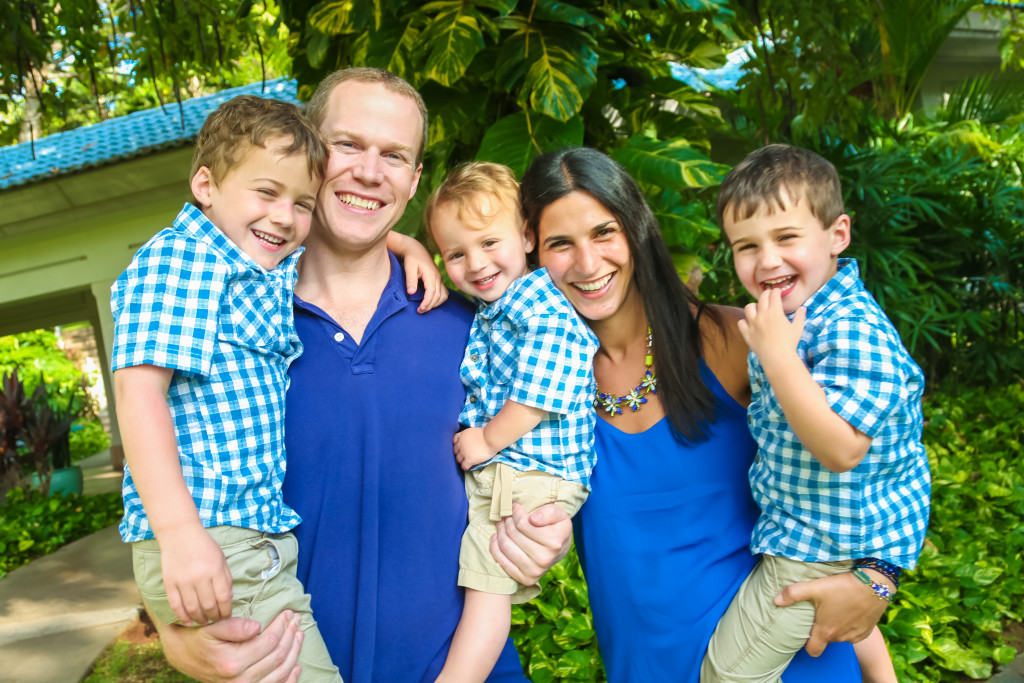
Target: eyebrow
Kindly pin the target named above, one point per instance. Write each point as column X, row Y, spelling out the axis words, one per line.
column 595, row 227
column 392, row 144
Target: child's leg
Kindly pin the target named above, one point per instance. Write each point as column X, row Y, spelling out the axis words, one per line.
column 875, row 663
column 755, row 640
column 479, row 638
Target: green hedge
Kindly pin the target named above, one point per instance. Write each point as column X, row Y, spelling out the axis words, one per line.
column 947, row 618
column 32, row 525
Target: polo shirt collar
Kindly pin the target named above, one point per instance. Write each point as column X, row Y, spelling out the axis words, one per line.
column 840, row 285
column 195, row 223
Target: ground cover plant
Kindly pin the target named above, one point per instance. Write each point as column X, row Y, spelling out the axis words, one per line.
column 33, row 525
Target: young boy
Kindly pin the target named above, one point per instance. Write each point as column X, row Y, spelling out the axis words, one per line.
column 840, row 475
column 529, row 434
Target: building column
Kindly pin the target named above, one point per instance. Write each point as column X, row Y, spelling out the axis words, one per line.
column 103, row 325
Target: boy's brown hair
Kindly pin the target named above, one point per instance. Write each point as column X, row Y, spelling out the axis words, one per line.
column 221, row 143
column 465, row 184
column 316, row 108
column 760, row 179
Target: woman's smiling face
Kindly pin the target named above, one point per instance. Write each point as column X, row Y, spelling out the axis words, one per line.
column 586, row 253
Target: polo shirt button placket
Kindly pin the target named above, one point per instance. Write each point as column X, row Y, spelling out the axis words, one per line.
column 339, row 336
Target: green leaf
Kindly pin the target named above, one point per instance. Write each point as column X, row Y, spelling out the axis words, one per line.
column 562, row 70
column 390, row 47
column 1004, row 654
column 451, row 41
column 316, row 49
column 338, row 17
column 552, row 10
column 515, row 139
column 672, row 164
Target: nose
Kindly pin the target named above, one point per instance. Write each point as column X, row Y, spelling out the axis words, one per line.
column 769, row 258
column 586, row 260
column 474, row 260
column 368, row 167
column 282, row 213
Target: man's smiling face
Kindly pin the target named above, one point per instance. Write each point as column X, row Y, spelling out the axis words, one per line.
column 373, row 135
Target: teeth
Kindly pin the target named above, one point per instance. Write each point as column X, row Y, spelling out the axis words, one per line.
column 487, row 280
column 268, row 238
column 353, row 200
column 778, row 282
column 593, row 286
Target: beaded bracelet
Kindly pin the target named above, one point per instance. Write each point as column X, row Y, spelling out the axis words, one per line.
column 886, row 569
column 881, row 591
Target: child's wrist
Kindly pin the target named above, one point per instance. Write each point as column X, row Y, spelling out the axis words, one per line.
column 876, row 582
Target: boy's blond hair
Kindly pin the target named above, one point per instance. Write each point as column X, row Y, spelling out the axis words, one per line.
column 760, row 180
column 316, row 108
column 221, row 143
column 465, row 185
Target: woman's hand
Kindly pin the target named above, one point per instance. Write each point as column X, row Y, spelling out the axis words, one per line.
column 234, row 650
column 845, row 609
column 526, row 546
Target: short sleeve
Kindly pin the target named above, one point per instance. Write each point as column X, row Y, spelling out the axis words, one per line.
column 166, row 305
column 555, row 363
column 859, row 366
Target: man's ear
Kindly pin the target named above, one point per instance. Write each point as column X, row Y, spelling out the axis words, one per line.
column 840, row 234
column 415, row 180
column 202, row 184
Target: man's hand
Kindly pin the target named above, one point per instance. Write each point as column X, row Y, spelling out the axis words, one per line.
column 767, row 331
column 526, row 546
column 845, row 610
column 196, row 576
column 471, row 447
column 234, row 650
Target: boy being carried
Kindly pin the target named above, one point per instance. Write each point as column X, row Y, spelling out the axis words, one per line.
column 841, row 476
column 529, row 434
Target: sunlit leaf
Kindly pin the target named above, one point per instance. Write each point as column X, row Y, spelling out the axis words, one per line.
column 517, row 138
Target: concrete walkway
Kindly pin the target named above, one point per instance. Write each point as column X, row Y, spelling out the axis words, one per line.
column 58, row 612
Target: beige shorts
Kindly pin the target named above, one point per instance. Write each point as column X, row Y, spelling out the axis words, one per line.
column 263, row 584
column 755, row 640
column 491, row 492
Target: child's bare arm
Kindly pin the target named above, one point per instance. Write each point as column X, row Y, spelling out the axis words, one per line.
column 195, row 573
column 832, row 440
column 479, row 444
column 418, row 266
column 873, row 656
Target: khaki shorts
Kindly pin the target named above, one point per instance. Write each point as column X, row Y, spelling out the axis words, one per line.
column 263, row 584
column 491, row 491
column 755, row 640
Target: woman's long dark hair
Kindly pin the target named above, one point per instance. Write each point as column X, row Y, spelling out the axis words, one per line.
column 688, row 401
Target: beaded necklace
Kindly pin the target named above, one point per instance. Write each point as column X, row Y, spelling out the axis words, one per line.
column 612, row 404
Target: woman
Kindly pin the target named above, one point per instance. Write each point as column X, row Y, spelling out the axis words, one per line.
column 664, row 535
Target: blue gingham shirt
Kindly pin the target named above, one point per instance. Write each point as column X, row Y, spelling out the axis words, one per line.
column 878, row 509
column 192, row 301
column 531, row 347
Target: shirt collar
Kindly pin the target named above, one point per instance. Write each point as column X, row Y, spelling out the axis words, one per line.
column 843, row 283
column 194, row 222
column 493, row 309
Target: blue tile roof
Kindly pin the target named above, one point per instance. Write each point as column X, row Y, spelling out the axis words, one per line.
column 123, row 137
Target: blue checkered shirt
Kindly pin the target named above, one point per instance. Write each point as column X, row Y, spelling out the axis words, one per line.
column 878, row 509
column 531, row 347
column 192, row 301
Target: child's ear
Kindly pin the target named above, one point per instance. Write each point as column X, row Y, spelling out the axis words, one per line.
column 530, row 238
column 840, row 234
column 202, row 183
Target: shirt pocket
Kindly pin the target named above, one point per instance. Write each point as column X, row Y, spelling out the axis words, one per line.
column 252, row 316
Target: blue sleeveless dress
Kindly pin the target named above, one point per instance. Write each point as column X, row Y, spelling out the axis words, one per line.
column 664, row 543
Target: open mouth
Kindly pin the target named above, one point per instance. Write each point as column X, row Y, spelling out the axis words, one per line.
column 360, row 202
column 269, row 239
column 593, row 286
column 484, row 282
column 779, row 282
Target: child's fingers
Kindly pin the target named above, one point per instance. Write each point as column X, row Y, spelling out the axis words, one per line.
column 412, row 276
column 177, row 604
column 222, row 592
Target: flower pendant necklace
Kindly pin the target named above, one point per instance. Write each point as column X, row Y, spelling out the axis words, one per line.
column 612, row 404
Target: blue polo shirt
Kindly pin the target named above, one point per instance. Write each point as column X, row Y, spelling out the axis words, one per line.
column 371, row 471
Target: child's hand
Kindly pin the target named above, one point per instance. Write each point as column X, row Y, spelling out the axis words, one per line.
column 419, row 268
column 196, row 577
column 767, row 331
column 471, row 447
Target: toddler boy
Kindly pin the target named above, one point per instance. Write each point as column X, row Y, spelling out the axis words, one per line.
column 529, row 434
column 203, row 340
column 840, row 475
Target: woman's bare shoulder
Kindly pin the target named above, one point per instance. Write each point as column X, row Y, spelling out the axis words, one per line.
column 725, row 352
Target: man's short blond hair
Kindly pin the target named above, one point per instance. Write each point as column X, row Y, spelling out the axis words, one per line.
column 221, row 143
column 316, row 108
column 465, row 185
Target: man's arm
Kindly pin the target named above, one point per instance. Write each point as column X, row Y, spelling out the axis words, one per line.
column 194, row 571
column 832, row 440
column 479, row 444
column 234, row 650
column 418, row 265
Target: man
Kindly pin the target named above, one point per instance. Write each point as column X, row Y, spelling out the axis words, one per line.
column 371, row 411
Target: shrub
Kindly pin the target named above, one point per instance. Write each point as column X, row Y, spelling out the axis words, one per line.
column 87, row 438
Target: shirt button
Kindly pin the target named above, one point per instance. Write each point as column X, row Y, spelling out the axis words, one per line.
column 472, row 399
column 339, row 336
column 474, row 357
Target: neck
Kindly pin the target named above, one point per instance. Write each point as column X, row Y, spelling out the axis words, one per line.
column 620, row 333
